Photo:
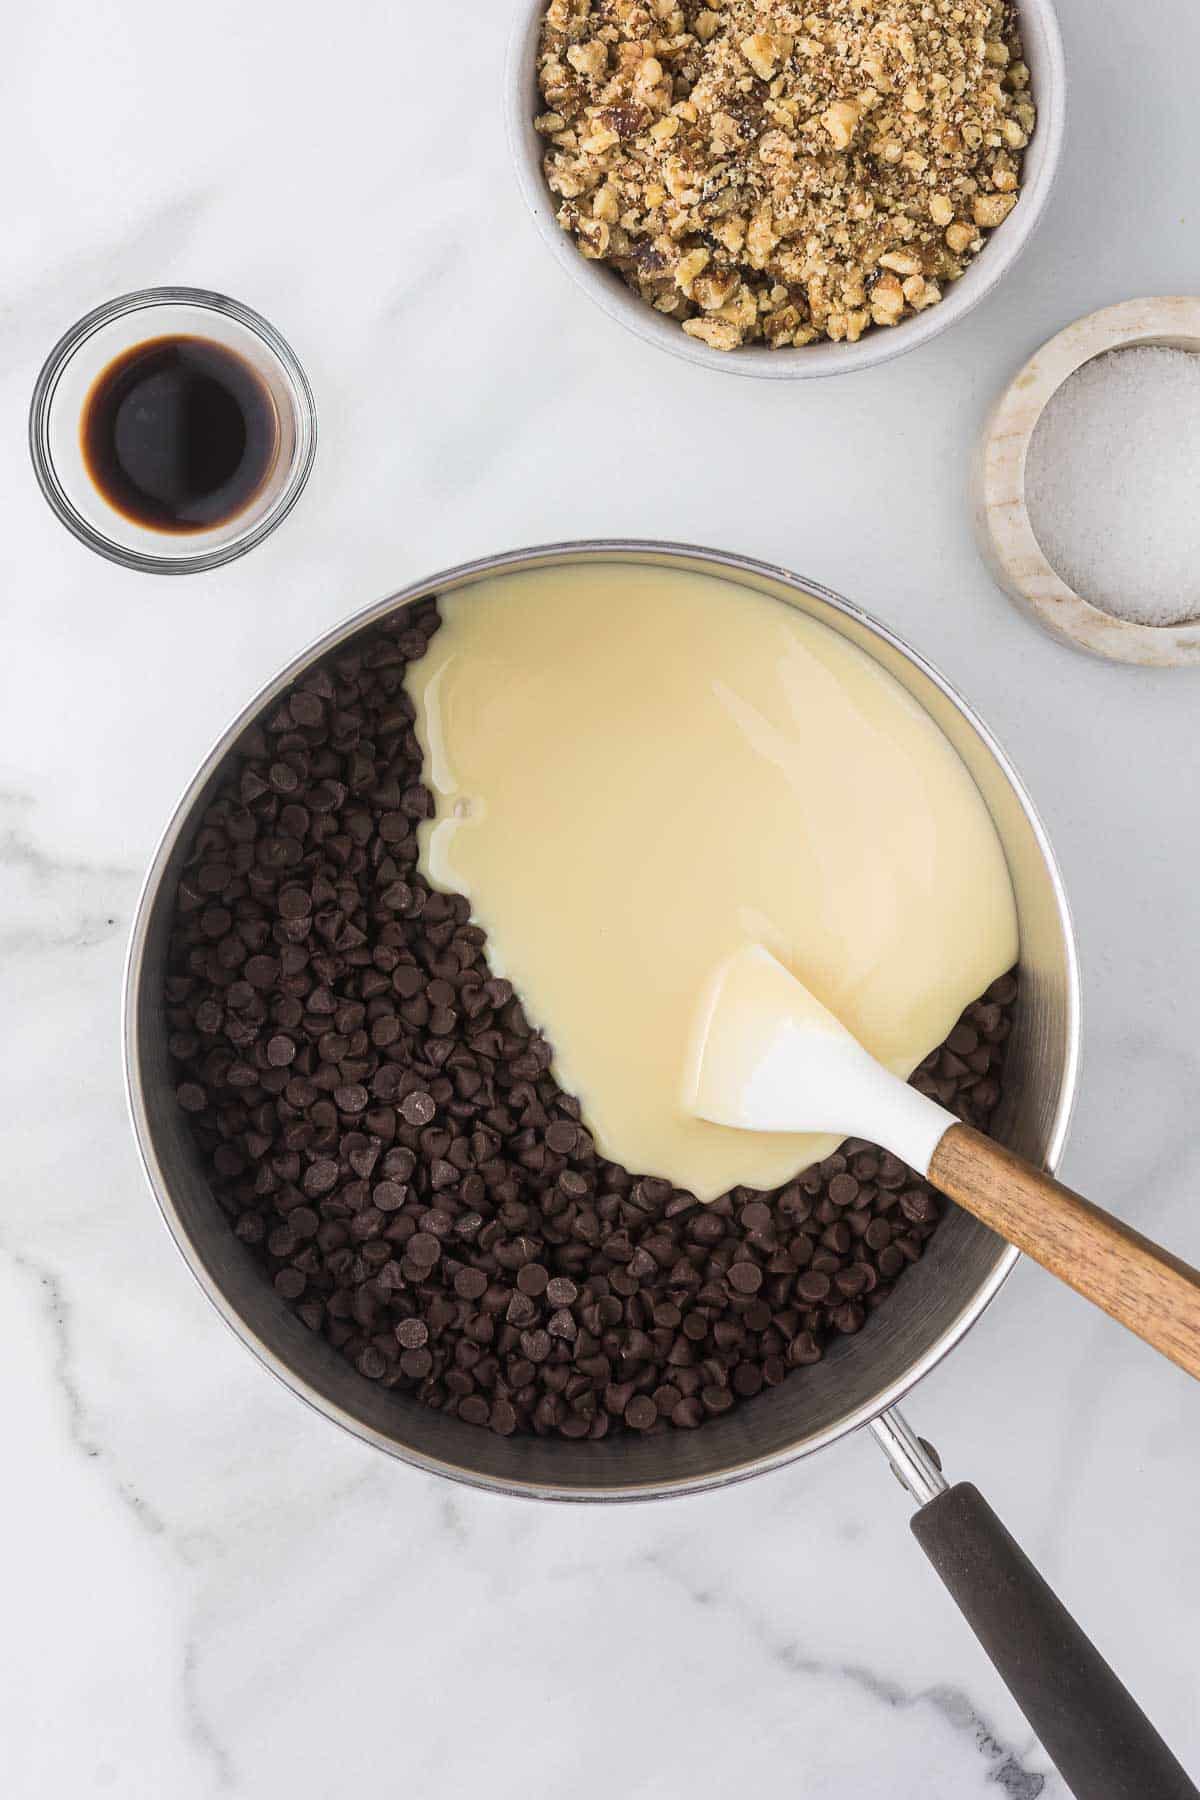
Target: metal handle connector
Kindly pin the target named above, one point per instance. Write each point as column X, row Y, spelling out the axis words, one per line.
column 915, row 1464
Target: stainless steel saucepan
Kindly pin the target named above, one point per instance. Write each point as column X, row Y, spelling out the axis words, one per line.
column 1103, row 1745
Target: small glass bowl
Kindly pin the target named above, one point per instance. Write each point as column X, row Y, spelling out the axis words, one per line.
column 61, row 393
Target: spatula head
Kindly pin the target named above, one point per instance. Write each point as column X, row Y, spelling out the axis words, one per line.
column 768, row 1056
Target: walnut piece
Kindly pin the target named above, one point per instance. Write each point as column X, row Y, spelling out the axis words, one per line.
column 773, row 172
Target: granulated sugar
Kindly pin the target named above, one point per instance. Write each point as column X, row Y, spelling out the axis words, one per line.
column 1112, row 484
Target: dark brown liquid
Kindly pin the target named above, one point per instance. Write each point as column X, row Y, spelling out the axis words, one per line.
column 179, row 434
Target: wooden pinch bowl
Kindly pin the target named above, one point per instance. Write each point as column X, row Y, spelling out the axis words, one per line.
column 1003, row 527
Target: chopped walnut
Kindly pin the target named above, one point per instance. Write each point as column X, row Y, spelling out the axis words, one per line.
column 773, row 172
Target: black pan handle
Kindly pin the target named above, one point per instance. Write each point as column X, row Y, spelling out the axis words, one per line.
column 1100, row 1740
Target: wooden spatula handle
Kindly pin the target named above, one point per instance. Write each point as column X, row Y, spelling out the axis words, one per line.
column 1142, row 1286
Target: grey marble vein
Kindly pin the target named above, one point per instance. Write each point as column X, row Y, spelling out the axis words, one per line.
column 86, row 935
column 200, row 1730
column 19, row 850
column 90, row 897
column 452, row 1518
column 88, row 1441
column 72, row 287
column 59, row 1317
column 952, row 1703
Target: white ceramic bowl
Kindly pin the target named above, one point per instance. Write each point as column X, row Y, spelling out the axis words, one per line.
column 1044, row 55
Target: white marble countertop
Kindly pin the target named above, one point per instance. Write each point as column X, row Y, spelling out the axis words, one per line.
column 208, row 1590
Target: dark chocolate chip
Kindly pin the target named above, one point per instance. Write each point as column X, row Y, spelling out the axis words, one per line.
column 746, row 1277
column 470, row 1284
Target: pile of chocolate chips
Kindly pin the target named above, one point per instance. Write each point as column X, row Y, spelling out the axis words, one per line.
column 381, row 1125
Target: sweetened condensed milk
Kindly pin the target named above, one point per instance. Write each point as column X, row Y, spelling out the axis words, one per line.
column 636, row 772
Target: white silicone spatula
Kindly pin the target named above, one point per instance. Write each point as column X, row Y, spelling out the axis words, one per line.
column 770, row 1057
